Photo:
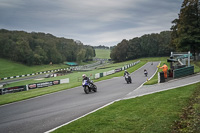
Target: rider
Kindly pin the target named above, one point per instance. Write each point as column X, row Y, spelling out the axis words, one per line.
column 86, row 78
column 125, row 72
column 145, row 72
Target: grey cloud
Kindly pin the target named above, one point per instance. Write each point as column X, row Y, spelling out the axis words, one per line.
column 89, row 21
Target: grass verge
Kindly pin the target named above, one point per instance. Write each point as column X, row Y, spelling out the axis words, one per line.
column 10, row 68
column 148, row 114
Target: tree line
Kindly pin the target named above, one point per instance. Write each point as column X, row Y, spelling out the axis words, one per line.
column 183, row 37
column 150, row 45
column 40, row 48
column 101, row 47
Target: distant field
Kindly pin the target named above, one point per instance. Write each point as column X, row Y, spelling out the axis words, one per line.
column 10, row 68
column 102, row 53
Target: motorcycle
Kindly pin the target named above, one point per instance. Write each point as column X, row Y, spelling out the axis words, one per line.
column 145, row 73
column 88, row 87
column 128, row 78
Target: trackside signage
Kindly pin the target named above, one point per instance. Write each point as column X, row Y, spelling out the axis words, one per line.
column 32, row 86
column 43, row 84
column 12, row 89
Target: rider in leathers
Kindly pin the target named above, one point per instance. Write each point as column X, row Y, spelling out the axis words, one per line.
column 125, row 72
column 86, row 78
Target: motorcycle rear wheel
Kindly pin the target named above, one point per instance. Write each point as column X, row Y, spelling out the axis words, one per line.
column 94, row 88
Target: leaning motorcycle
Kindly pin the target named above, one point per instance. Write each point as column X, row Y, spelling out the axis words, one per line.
column 128, row 78
column 146, row 74
column 88, row 87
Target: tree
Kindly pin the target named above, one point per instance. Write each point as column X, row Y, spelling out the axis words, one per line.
column 40, row 48
column 81, row 55
column 151, row 45
column 90, row 52
column 134, row 50
column 120, row 53
column 39, row 55
column 186, row 29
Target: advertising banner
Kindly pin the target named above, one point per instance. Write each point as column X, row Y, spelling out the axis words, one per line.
column 43, row 84
column 32, row 86
column 12, row 89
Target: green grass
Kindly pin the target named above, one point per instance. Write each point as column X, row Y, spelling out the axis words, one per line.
column 147, row 114
column 102, row 53
column 10, row 68
column 196, row 66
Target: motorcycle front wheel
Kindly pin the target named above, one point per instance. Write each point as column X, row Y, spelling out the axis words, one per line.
column 86, row 89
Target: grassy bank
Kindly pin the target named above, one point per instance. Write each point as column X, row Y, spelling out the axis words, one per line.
column 10, row 68
column 148, row 114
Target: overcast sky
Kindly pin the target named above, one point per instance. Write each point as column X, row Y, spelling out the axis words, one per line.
column 93, row 22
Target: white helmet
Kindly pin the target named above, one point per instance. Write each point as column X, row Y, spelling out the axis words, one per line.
column 83, row 75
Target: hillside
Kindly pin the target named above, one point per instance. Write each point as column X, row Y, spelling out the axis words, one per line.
column 9, row 68
column 40, row 48
column 102, row 53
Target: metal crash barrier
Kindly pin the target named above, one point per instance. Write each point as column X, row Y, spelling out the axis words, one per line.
column 185, row 71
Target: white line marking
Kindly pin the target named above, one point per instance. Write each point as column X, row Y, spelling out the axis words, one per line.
column 143, row 83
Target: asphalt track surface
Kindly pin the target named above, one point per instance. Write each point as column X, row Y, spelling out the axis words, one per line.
column 44, row 113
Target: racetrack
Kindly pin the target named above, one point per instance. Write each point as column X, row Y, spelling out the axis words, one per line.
column 43, row 113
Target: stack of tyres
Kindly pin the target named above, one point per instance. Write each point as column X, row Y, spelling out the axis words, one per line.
column 162, row 78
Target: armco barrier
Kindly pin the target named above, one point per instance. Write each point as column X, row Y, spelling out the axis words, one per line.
column 56, row 70
column 185, row 71
column 104, row 74
column 99, row 75
column 110, row 72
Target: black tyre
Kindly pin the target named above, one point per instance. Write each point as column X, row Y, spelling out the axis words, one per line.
column 94, row 88
column 86, row 89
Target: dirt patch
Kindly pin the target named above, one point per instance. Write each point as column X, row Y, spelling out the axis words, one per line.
column 189, row 121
